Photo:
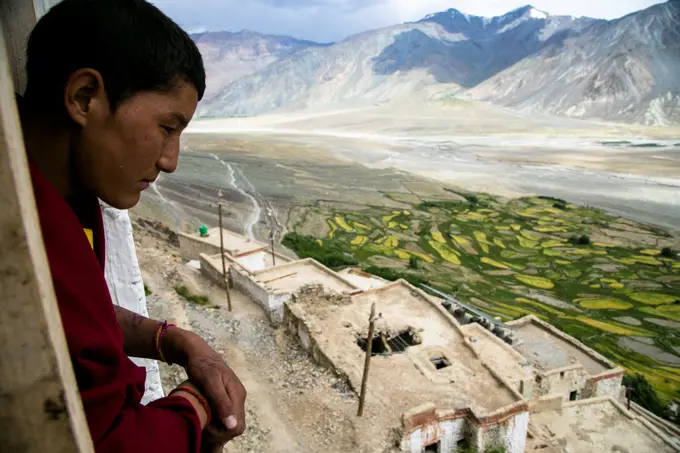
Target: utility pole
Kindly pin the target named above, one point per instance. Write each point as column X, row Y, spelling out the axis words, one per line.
column 367, row 364
column 271, row 240
column 224, row 266
column 272, row 233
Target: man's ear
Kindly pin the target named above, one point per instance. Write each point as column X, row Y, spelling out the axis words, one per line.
column 84, row 96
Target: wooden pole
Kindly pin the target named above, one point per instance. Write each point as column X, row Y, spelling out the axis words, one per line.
column 367, row 364
column 224, row 266
column 271, row 238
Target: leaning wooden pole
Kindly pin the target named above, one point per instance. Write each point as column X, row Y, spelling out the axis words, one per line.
column 271, row 238
column 224, row 265
column 367, row 364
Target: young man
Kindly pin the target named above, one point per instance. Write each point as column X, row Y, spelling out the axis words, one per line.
column 111, row 86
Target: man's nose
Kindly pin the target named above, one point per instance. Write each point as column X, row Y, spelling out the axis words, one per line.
column 168, row 161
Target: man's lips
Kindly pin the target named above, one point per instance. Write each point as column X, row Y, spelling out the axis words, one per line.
column 145, row 183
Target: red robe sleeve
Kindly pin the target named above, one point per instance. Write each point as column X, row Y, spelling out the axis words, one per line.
column 110, row 384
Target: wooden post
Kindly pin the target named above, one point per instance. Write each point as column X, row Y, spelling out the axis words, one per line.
column 271, row 239
column 40, row 404
column 224, row 266
column 367, row 363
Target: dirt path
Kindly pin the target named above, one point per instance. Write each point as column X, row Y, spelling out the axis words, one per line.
column 293, row 405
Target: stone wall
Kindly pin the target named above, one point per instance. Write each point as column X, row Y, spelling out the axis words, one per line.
column 431, row 429
column 191, row 248
column 608, row 385
column 271, row 303
column 546, row 404
column 563, row 382
column 511, row 433
column 425, row 426
column 294, row 323
column 210, row 271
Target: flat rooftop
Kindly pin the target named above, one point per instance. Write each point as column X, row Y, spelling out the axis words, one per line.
column 234, row 244
column 506, row 361
column 441, row 368
column 549, row 349
column 593, row 426
column 362, row 280
column 290, row 277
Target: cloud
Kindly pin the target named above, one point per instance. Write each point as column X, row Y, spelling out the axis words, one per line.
column 333, row 20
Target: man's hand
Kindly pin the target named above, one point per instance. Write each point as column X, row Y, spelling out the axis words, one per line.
column 215, row 436
column 212, row 376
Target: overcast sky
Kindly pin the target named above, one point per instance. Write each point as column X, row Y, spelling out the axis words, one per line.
column 333, row 20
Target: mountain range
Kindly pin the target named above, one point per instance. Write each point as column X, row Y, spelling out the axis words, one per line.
column 623, row 70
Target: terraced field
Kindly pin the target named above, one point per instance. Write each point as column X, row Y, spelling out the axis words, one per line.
column 600, row 278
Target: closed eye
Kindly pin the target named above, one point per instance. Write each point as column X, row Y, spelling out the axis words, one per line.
column 169, row 130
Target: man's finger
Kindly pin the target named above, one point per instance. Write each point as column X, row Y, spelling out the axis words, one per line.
column 219, row 399
column 237, row 395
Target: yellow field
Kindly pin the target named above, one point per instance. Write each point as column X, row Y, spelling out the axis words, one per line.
column 359, row 241
column 651, row 252
column 616, row 329
column 482, row 241
column 531, row 235
column 476, row 216
column 494, row 263
column 551, row 252
column 391, row 241
column 437, row 236
column 320, row 242
column 604, row 304
column 334, row 228
column 388, row 218
column 499, row 243
column 537, row 282
column 563, row 262
column 647, row 260
column 582, row 252
column 392, row 225
column 543, row 307
column 446, row 252
column 516, row 226
column 661, row 314
column 526, row 243
column 422, row 256
column 552, row 243
column 550, row 229
column 402, row 254
column 652, row 298
column 342, row 224
column 361, row 225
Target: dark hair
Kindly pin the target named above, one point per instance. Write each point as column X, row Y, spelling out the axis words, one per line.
column 133, row 45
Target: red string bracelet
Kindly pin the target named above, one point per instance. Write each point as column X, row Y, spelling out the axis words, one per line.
column 201, row 399
column 160, row 332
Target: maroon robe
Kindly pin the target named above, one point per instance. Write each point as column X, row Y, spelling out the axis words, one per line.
column 111, row 385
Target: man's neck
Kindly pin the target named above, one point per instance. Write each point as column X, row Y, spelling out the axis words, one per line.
column 48, row 147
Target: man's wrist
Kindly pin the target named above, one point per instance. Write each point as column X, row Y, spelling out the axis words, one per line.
column 176, row 344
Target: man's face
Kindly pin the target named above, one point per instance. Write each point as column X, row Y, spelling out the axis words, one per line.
column 119, row 154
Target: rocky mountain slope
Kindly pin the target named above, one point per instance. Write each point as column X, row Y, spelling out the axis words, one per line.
column 448, row 50
column 627, row 69
column 229, row 56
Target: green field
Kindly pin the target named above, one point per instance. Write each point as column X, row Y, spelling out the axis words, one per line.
column 576, row 267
